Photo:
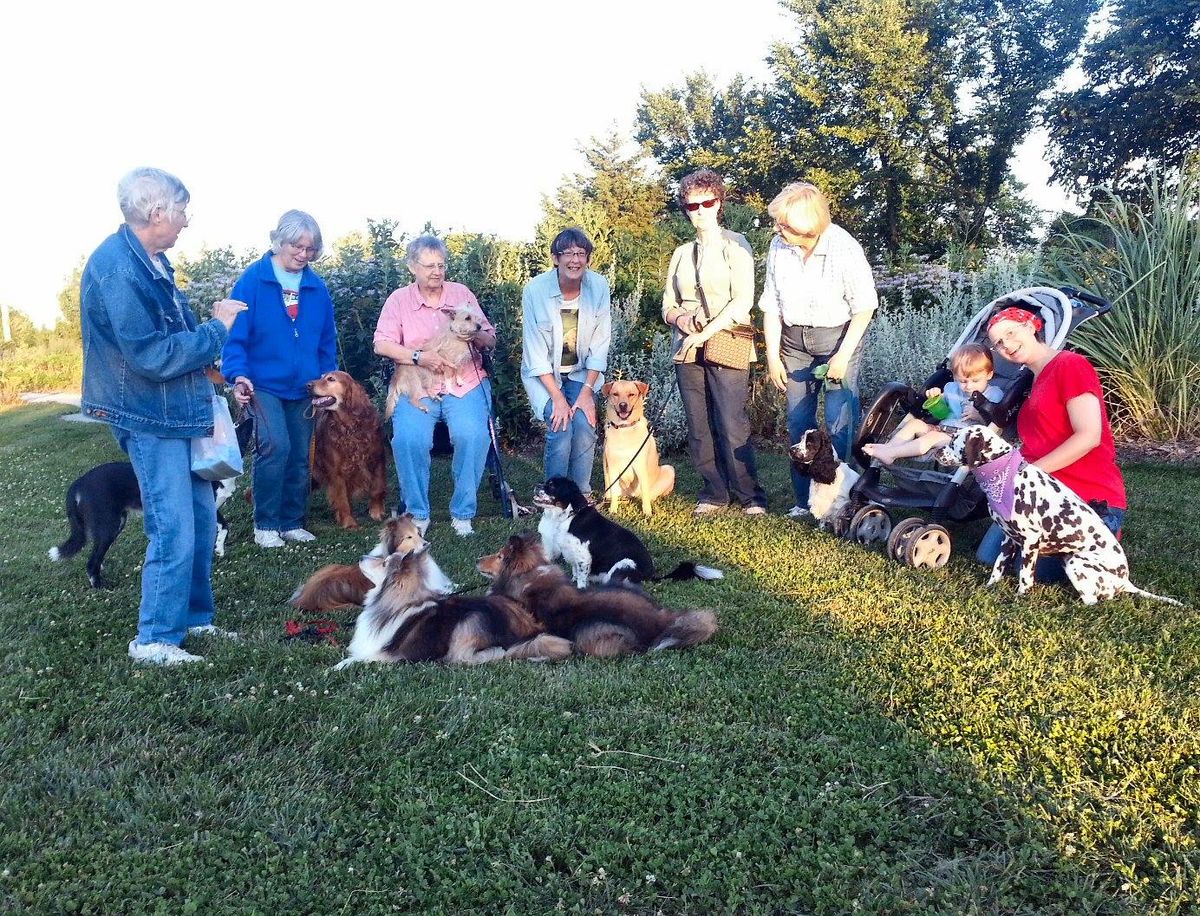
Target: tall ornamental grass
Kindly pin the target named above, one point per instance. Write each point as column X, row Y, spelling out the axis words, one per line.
column 1146, row 261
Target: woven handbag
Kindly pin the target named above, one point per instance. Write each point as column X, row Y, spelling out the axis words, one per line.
column 731, row 348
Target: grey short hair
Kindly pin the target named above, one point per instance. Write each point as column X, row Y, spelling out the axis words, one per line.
column 423, row 243
column 292, row 225
column 143, row 190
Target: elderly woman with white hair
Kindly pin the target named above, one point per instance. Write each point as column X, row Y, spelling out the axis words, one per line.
column 144, row 355
column 286, row 340
column 411, row 317
column 817, row 300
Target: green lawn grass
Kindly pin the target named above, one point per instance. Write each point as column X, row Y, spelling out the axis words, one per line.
column 857, row 737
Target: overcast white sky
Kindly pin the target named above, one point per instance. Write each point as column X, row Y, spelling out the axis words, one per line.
column 463, row 113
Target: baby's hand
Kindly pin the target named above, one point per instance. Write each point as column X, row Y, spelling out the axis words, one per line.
column 932, row 392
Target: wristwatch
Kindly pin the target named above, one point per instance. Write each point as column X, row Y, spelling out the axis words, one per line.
column 416, row 357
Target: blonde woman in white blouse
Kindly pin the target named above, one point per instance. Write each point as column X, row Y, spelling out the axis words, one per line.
column 818, row 298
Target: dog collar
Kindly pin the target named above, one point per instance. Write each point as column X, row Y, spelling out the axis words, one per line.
column 621, row 425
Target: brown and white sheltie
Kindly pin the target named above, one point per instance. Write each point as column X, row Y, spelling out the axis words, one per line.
column 406, row 621
column 338, row 586
column 605, row 621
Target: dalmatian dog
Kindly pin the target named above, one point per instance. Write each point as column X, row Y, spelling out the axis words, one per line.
column 1039, row 515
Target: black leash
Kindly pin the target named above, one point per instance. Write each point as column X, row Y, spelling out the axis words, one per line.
column 649, row 435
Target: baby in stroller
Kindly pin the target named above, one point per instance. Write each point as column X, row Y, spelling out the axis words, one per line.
column 972, row 368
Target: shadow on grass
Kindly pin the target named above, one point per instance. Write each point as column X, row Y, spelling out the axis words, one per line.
column 857, row 737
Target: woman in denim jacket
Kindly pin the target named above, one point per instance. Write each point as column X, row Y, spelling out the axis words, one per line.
column 144, row 354
column 566, row 330
column 285, row 340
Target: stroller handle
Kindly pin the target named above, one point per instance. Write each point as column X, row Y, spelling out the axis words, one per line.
column 1103, row 306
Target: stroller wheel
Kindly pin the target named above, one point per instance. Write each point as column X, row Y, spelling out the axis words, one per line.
column 902, row 533
column 870, row 525
column 929, row 548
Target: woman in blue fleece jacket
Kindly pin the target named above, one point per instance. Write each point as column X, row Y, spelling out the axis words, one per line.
column 285, row 339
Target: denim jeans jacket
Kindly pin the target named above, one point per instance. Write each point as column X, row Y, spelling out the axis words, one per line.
column 144, row 351
column 542, row 333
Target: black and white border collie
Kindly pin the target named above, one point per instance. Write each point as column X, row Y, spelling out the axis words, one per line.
column 596, row 547
column 815, row 458
column 98, row 505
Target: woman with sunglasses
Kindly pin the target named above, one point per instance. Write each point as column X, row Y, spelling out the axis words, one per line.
column 817, row 300
column 286, row 339
column 710, row 287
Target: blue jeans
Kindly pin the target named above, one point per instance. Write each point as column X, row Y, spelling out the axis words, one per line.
column 412, row 437
column 1049, row 569
column 714, row 402
column 802, row 349
column 571, row 452
column 281, row 477
column 180, row 518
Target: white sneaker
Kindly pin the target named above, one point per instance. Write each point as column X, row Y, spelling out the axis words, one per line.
column 300, row 535
column 462, row 527
column 160, row 653
column 265, row 538
column 706, row 509
column 755, row 510
column 799, row 512
column 422, row 525
column 210, row 630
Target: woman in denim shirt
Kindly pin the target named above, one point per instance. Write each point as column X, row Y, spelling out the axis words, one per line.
column 144, row 354
column 566, row 331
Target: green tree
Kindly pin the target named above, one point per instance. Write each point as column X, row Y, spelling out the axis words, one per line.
column 735, row 131
column 67, row 326
column 620, row 207
column 1139, row 110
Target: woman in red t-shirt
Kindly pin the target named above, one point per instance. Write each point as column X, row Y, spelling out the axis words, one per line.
column 1063, row 427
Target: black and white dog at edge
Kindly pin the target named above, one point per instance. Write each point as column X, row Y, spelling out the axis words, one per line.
column 1038, row 516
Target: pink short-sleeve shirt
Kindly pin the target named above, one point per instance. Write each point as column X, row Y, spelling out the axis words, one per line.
column 408, row 320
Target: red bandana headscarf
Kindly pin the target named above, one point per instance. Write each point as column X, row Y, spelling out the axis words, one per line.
column 1020, row 316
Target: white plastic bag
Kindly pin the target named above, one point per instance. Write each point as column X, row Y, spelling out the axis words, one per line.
column 218, row 457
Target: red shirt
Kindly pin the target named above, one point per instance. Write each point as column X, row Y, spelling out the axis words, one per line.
column 1043, row 425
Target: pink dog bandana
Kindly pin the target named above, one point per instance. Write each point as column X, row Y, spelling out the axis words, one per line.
column 998, row 480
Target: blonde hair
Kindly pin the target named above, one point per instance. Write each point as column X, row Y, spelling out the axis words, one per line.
column 802, row 206
column 971, row 359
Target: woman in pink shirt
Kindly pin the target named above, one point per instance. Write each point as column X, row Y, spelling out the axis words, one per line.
column 412, row 316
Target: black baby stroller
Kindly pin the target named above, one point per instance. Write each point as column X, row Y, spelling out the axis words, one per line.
column 948, row 497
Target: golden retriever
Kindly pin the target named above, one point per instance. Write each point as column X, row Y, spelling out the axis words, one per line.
column 348, row 451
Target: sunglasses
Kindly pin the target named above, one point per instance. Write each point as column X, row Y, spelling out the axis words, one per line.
column 693, row 205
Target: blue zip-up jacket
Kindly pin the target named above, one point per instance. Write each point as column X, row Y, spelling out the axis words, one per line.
column 144, row 351
column 278, row 355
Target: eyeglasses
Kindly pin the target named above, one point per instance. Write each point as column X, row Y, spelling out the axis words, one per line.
column 181, row 211
column 573, row 253
column 302, row 249
column 785, row 229
column 439, row 267
column 693, row 205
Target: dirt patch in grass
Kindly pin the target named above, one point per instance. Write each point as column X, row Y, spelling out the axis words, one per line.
column 1181, row 451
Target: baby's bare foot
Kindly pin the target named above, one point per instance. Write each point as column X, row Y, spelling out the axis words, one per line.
column 878, row 451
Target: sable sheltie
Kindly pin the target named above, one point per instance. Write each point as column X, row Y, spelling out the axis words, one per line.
column 405, row 621
column 339, row 586
column 605, row 621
